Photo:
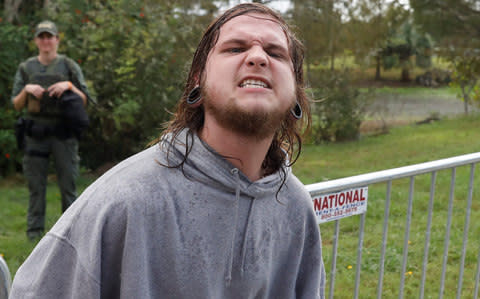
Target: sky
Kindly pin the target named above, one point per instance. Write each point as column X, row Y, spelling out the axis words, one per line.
column 283, row 5
column 280, row 5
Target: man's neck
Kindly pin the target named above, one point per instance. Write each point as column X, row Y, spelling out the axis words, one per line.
column 46, row 58
column 245, row 153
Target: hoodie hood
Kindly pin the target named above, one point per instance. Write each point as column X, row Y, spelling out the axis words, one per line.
column 204, row 164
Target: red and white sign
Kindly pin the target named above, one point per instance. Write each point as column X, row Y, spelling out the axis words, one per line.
column 341, row 204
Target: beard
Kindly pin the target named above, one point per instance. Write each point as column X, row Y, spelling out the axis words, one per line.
column 258, row 124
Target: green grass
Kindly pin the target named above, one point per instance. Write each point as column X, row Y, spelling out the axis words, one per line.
column 403, row 146
column 14, row 245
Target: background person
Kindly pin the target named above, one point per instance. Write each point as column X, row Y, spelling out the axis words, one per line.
column 211, row 211
column 39, row 84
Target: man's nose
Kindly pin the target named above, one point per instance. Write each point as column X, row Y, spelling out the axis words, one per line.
column 257, row 57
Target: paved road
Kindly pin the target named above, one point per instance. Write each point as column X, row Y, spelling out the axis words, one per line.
column 414, row 107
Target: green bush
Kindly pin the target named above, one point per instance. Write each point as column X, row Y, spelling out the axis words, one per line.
column 389, row 61
column 12, row 39
column 10, row 156
column 14, row 50
column 339, row 107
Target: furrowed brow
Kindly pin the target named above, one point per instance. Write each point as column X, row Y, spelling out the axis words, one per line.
column 234, row 41
column 271, row 46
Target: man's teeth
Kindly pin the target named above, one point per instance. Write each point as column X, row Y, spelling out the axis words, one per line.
column 253, row 84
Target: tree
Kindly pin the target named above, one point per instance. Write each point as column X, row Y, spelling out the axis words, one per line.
column 401, row 45
column 320, row 28
column 371, row 26
column 455, row 24
column 447, row 19
column 466, row 76
column 19, row 11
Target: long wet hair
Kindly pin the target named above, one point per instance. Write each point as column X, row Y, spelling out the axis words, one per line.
column 287, row 141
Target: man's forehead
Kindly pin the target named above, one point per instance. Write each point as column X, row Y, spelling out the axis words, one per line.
column 255, row 19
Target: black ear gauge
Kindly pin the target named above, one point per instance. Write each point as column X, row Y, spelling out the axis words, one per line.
column 297, row 111
column 194, row 96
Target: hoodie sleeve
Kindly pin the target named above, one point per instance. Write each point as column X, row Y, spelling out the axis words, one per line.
column 54, row 270
column 311, row 275
column 310, row 280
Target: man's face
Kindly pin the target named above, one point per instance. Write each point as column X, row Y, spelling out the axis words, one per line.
column 46, row 42
column 249, row 82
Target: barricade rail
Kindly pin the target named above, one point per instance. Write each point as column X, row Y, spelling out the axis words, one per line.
column 459, row 207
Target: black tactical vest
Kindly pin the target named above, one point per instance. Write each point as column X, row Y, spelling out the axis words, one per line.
column 34, row 72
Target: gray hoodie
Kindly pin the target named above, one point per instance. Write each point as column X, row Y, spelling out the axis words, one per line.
column 144, row 230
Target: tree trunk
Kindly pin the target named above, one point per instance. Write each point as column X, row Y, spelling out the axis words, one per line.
column 331, row 39
column 378, row 76
column 29, row 8
column 466, row 100
column 405, row 75
column 332, row 61
column 11, row 9
column 465, row 106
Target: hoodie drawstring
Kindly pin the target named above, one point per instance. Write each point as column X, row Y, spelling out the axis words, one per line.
column 243, row 252
column 244, row 246
column 234, row 171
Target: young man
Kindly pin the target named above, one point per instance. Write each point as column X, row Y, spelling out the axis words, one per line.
column 39, row 84
column 212, row 210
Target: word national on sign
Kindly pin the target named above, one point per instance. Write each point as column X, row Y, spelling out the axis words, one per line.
column 341, row 204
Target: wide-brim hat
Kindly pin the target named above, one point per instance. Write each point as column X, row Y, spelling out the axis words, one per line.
column 46, row 26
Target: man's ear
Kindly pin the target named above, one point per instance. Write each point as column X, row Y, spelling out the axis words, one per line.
column 197, row 79
column 195, row 96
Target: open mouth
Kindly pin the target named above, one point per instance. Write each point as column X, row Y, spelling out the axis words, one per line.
column 251, row 83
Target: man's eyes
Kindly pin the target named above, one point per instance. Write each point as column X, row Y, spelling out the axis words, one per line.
column 275, row 55
column 236, row 50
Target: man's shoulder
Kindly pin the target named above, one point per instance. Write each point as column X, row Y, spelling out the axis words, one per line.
column 131, row 186
column 137, row 172
column 296, row 189
column 295, row 184
column 138, row 164
column 124, row 185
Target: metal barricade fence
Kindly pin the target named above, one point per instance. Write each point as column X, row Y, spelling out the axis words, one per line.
column 459, row 272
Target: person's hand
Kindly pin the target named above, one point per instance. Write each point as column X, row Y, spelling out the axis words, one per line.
column 35, row 90
column 57, row 89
